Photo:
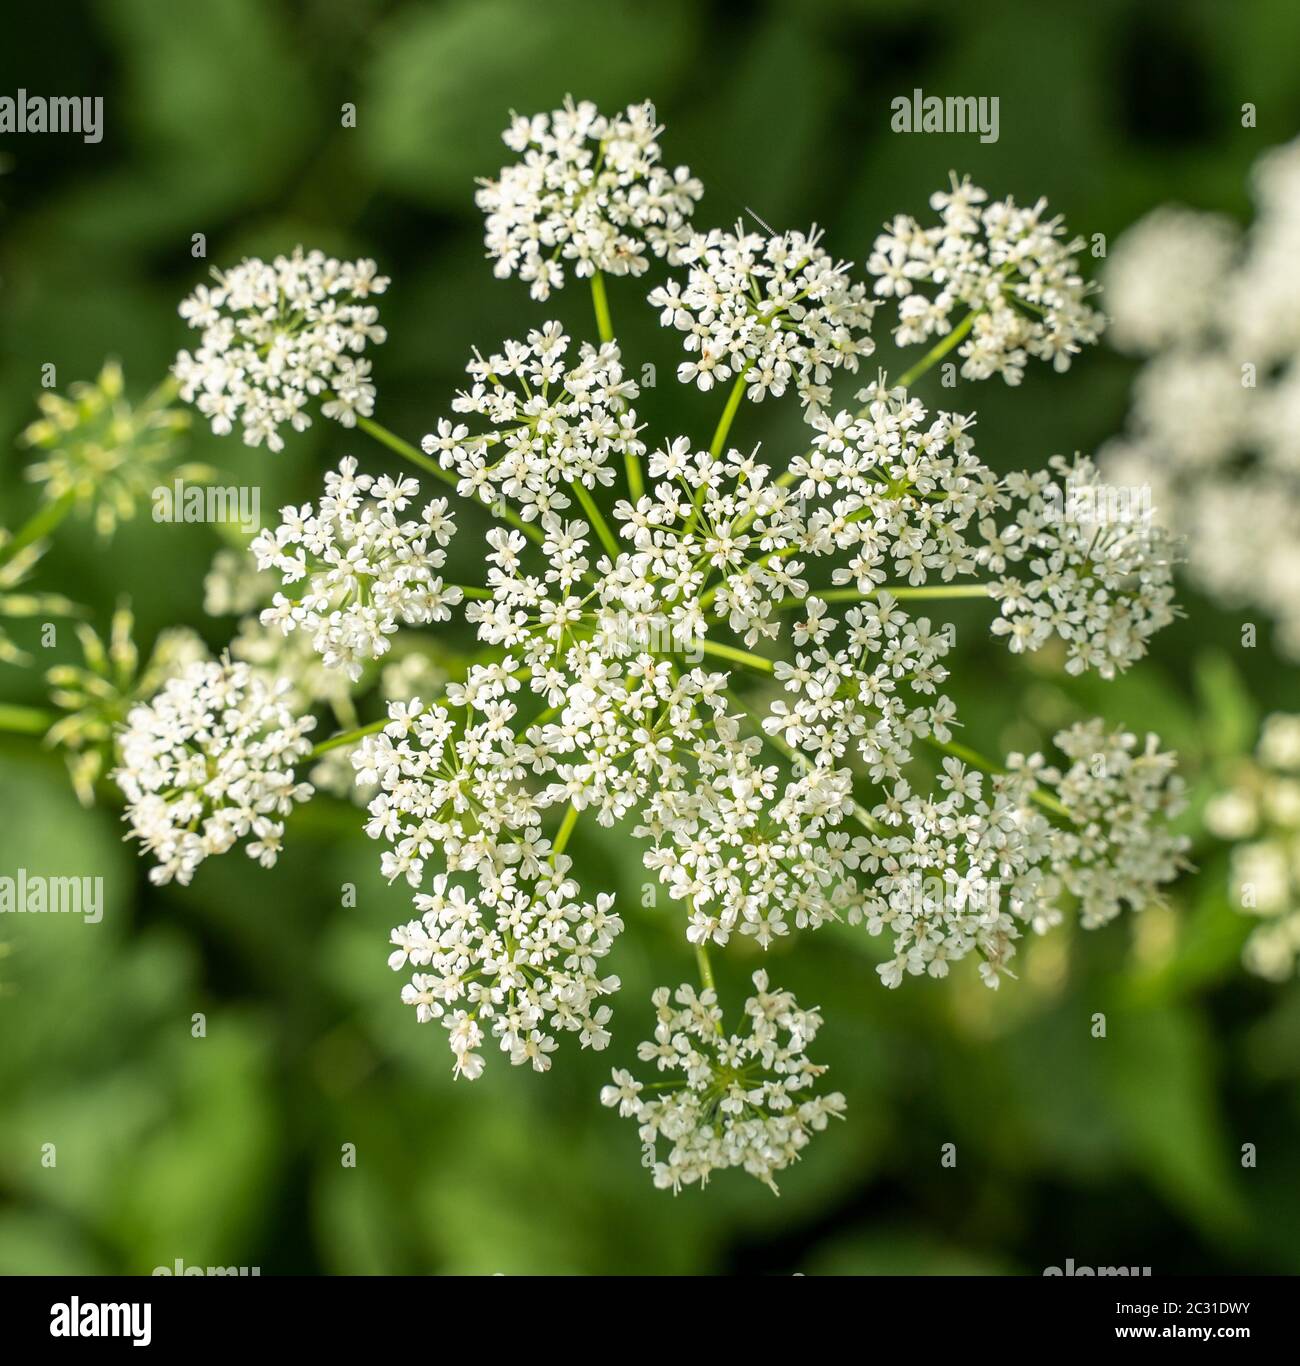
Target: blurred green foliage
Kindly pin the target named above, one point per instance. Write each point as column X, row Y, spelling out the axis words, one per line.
column 224, row 118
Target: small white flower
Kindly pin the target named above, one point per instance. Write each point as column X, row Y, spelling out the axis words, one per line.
column 742, row 1100
column 554, row 420
column 589, row 190
column 778, row 310
column 278, row 335
column 207, row 762
column 355, row 570
column 1009, row 267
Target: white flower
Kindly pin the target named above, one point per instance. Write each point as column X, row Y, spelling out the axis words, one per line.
column 555, row 421
column 961, row 871
column 504, row 945
column 1100, row 578
column 590, row 190
column 276, row 336
column 1009, row 268
column 741, row 1100
column 234, row 586
column 778, row 310
column 356, row 568
column 1259, row 812
column 1214, row 420
column 1165, row 277
column 207, row 762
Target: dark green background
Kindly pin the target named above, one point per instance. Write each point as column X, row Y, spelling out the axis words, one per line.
column 223, row 118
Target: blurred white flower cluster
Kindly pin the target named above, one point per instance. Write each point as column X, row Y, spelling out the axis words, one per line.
column 1213, row 427
column 590, row 190
column 276, row 335
column 774, row 310
column 208, row 762
column 729, row 1100
column 1013, row 267
column 552, row 424
column 1259, row 812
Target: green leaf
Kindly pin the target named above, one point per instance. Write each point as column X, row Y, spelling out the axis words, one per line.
column 1157, row 1076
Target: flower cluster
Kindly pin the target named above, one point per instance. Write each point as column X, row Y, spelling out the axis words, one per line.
column 731, row 1100
column 727, row 658
column 105, row 453
column 95, row 696
column 1165, row 276
column 745, row 849
column 276, row 336
column 1212, row 429
column 553, row 422
column 1118, row 795
column 518, row 955
column 590, row 190
column 1010, row 269
column 362, row 569
column 965, row 869
column 207, row 762
column 1259, row 812
column 1100, row 572
column 776, row 311
column 905, row 489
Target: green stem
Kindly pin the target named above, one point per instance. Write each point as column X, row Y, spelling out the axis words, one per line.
column 706, row 968
column 39, row 525
column 408, row 452
column 599, row 298
column 25, row 720
column 565, row 830
column 605, row 329
column 595, row 517
column 937, row 352
column 719, row 441
column 417, row 457
column 729, row 413
column 635, row 482
column 348, row 737
column 950, row 590
column 752, row 661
